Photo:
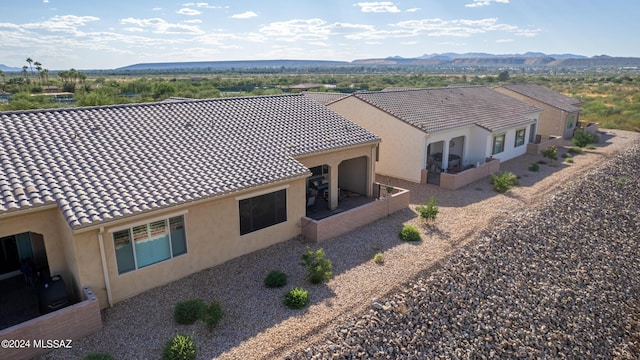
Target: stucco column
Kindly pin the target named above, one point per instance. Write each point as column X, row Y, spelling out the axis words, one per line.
column 445, row 155
column 333, row 186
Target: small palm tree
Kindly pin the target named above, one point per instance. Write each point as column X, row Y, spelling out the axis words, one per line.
column 30, row 62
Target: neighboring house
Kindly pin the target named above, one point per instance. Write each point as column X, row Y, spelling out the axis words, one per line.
column 561, row 112
column 325, row 98
column 441, row 130
column 129, row 197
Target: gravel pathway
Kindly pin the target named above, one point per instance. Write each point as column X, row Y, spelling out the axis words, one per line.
column 555, row 276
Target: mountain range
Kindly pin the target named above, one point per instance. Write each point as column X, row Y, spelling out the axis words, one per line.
column 529, row 59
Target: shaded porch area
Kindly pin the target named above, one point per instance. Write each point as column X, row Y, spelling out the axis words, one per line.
column 361, row 211
column 346, row 201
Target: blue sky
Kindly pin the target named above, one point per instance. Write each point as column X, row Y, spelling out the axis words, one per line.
column 81, row 34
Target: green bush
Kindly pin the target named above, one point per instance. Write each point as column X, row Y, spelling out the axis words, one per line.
column 504, row 181
column 213, row 315
column 590, row 147
column 296, row 298
column 98, row 356
column 275, row 279
column 569, row 160
column 550, row 153
column 428, row 211
column 319, row 268
column 378, row 258
column 534, row 167
column 410, row 233
column 180, row 347
column 583, row 138
column 187, row 312
column 575, row 150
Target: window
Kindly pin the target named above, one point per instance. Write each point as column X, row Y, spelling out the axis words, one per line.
column 150, row 243
column 570, row 121
column 498, row 144
column 263, row 211
column 519, row 137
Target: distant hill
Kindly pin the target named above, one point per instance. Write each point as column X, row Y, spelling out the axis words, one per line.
column 6, row 68
column 534, row 59
column 227, row 65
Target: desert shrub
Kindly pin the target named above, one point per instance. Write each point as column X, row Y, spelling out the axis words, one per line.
column 378, row 258
column 296, row 298
column 428, row 211
column 534, row 167
column 187, row 312
column 583, row 138
column 550, row 153
column 575, row 150
column 180, row 347
column 504, row 181
column 319, row 268
column 213, row 315
column 410, row 233
column 275, row 279
column 569, row 160
column 98, row 356
column 590, row 147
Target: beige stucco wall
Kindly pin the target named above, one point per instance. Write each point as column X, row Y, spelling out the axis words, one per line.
column 510, row 150
column 402, row 151
column 552, row 121
column 213, row 237
column 50, row 223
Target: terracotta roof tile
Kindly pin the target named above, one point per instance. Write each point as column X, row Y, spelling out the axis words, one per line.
column 102, row 163
column 545, row 95
column 441, row 109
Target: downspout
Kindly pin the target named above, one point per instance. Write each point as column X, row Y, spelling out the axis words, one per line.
column 105, row 271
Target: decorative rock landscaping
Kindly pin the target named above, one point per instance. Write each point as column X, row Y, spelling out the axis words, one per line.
column 559, row 282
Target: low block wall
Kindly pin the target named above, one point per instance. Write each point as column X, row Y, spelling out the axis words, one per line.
column 341, row 223
column 535, row 149
column 466, row 177
column 54, row 330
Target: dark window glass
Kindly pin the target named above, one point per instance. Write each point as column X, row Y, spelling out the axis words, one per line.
column 262, row 211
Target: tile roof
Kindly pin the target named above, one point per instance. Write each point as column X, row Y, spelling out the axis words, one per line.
column 546, row 96
column 440, row 109
column 102, row 163
column 324, row 98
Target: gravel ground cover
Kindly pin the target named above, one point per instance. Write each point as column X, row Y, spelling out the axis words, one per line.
column 560, row 282
column 496, row 275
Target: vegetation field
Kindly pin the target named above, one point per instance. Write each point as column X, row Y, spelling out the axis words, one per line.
column 613, row 100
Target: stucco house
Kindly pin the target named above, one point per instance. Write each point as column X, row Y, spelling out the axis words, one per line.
column 561, row 113
column 125, row 198
column 441, row 130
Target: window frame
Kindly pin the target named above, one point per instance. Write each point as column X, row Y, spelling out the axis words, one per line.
column 495, row 138
column 137, row 235
column 251, row 203
column 517, row 143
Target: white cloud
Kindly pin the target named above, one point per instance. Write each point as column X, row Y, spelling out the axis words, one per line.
column 65, row 23
column 189, row 12
column 204, row 5
column 479, row 3
column 413, row 10
column 461, row 27
column 160, row 26
column 297, row 29
column 244, row 15
column 504, row 40
column 380, row 6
